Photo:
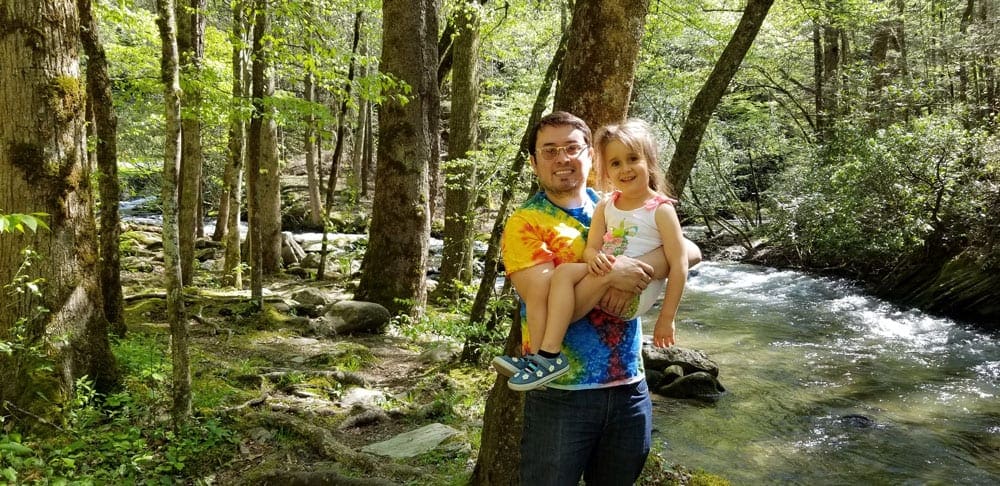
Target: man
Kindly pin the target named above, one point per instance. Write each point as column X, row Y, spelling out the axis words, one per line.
column 594, row 421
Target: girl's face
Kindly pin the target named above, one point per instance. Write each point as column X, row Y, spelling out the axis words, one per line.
column 625, row 169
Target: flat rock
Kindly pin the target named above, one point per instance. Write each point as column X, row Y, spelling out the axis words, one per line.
column 412, row 443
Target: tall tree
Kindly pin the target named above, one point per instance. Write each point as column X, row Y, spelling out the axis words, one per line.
column 460, row 172
column 106, row 129
column 310, row 145
column 233, row 177
column 395, row 263
column 179, row 336
column 43, row 154
column 595, row 84
column 190, row 17
column 254, row 149
column 711, row 92
column 269, row 178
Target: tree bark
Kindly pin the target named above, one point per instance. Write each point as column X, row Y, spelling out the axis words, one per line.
column 368, row 157
column 595, row 82
column 309, row 139
column 106, row 129
column 260, row 27
column 179, row 335
column 711, row 92
column 190, row 45
column 43, row 155
column 269, row 180
column 232, row 268
column 460, row 173
column 395, row 263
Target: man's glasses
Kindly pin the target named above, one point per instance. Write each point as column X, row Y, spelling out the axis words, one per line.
column 572, row 150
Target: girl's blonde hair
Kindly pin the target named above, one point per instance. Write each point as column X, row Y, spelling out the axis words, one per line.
column 637, row 136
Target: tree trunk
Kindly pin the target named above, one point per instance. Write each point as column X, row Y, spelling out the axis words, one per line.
column 499, row 455
column 358, row 151
column 43, row 154
column 338, row 149
column 711, row 92
column 396, row 260
column 106, row 129
column 190, row 45
column 269, row 181
column 260, row 27
column 368, row 156
column 309, row 139
column 460, row 173
column 232, row 268
column 595, row 82
column 181, row 409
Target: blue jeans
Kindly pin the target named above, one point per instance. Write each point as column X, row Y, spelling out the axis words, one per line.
column 601, row 434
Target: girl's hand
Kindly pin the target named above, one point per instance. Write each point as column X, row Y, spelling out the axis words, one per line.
column 601, row 264
column 663, row 333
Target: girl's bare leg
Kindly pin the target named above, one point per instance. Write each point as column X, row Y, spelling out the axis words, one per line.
column 572, row 288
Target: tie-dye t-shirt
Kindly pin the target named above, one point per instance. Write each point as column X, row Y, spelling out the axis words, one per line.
column 602, row 349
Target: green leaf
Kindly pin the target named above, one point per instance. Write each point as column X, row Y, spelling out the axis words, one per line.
column 15, row 448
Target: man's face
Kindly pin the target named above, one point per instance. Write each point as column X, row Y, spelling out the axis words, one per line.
column 561, row 174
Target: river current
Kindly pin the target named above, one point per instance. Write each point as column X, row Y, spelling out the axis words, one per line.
column 828, row 385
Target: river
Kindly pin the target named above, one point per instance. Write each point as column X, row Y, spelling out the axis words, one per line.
column 827, row 385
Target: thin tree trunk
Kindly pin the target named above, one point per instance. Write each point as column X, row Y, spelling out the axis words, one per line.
column 368, row 157
column 232, row 268
column 711, row 92
column 190, row 44
column 460, row 188
column 357, row 153
column 309, row 144
column 106, row 129
column 181, row 409
column 338, row 149
column 269, row 183
column 260, row 27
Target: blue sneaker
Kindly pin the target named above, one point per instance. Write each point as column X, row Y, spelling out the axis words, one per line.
column 509, row 365
column 538, row 372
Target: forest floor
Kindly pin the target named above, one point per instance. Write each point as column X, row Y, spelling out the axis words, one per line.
column 300, row 407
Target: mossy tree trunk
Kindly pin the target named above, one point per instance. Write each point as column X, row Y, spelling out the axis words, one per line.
column 595, row 82
column 460, row 173
column 106, row 129
column 190, row 15
column 232, row 269
column 43, row 154
column 179, row 336
column 395, row 263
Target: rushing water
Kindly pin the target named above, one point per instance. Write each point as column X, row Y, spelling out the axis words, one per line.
column 828, row 385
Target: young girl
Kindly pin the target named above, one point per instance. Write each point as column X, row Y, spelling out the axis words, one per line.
column 635, row 219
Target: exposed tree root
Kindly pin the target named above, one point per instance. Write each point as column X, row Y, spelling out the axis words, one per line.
column 323, row 442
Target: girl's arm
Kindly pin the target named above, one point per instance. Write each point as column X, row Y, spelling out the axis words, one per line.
column 597, row 262
column 675, row 251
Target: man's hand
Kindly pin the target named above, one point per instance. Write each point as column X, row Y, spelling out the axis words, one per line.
column 616, row 302
column 630, row 274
